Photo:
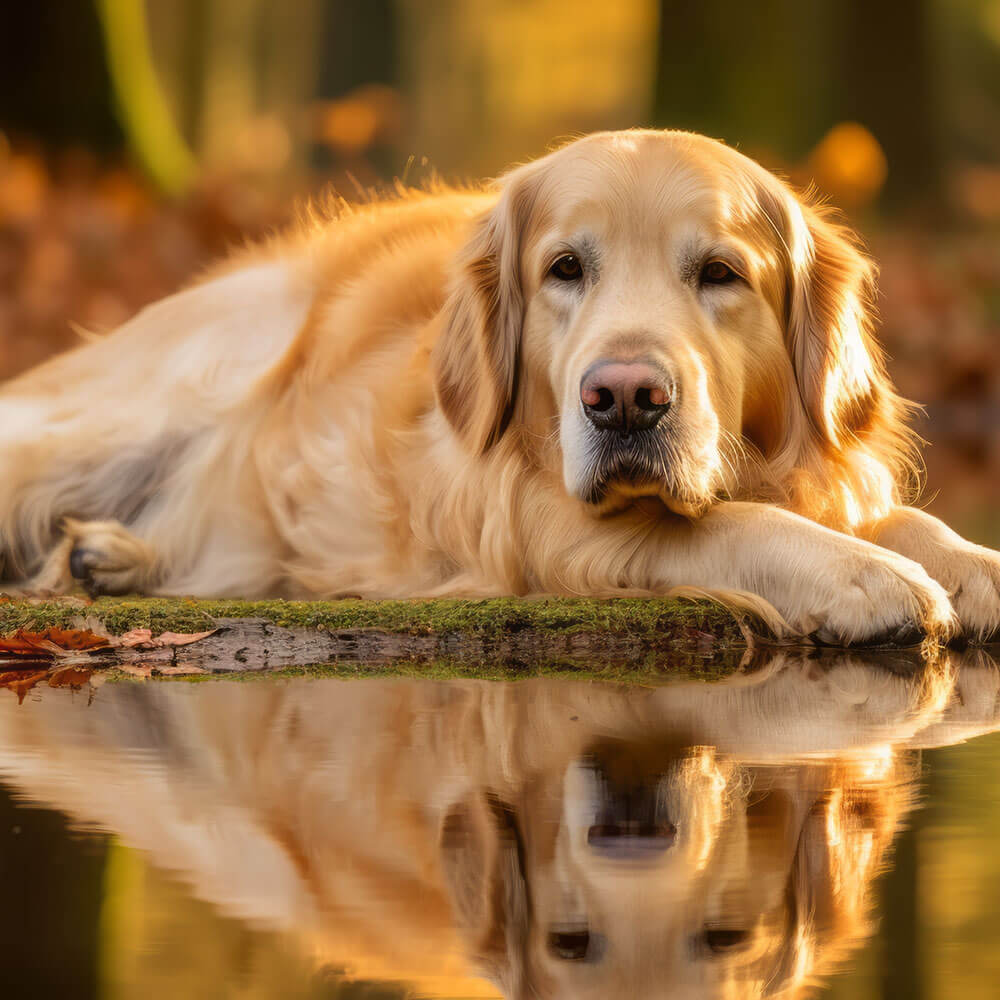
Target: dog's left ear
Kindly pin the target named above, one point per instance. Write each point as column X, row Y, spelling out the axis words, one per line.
column 475, row 359
column 839, row 365
column 840, row 849
column 831, row 311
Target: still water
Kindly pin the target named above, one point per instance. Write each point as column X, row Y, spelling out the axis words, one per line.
column 828, row 822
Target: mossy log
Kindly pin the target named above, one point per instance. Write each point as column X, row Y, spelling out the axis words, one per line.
column 497, row 637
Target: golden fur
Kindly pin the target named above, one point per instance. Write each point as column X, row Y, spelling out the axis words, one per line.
column 386, row 402
column 449, row 840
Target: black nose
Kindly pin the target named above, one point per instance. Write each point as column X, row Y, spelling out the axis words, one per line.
column 630, row 823
column 625, row 396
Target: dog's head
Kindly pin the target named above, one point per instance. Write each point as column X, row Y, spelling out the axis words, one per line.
column 662, row 317
column 659, row 872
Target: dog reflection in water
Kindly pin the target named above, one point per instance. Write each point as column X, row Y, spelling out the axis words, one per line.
column 556, row 840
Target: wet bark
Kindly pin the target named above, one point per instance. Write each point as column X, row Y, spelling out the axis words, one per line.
column 248, row 644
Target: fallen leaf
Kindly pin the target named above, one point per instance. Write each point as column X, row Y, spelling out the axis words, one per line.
column 52, row 641
column 21, row 683
column 72, row 677
column 136, row 670
column 143, row 638
column 134, row 639
column 180, row 670
column 75, row 639
column 20, row 673
column 182, row 638
column 18, row 645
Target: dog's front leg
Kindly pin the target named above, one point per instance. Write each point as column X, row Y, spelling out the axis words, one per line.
column 841, row 589
column 970, row 573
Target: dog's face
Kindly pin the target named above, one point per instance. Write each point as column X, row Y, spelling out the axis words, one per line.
column 663, row 308
column 668, row 872
column 645, row 311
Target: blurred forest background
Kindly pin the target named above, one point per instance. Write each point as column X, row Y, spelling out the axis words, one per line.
column 139, row 140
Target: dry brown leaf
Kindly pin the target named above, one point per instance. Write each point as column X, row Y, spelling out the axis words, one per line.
column 136, row 669
column 17, row 645
column 71, row 677
column 56, row 642
column 182, row 638
column 21, row 683
column 180, row 670
column 19, row 673
column 134, row 639
column 74, row 639
column 143, row 638
column 51, row 641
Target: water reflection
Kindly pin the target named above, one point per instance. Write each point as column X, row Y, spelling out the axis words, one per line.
column 552, row 839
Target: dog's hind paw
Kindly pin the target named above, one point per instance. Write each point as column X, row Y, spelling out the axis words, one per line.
column 103, row 556
column 107, row 558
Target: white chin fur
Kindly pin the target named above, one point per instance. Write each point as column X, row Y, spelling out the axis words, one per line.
column 576, row 444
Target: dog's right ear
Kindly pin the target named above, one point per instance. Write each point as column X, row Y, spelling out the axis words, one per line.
column 475, row 359
column 482, row 857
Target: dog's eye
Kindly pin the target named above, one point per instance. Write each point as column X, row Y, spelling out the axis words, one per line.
column 571, row 946
column 567, row 268
column 717, row 272
column 721, row 941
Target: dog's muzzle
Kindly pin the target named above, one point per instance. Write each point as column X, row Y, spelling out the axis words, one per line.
column 629, row 822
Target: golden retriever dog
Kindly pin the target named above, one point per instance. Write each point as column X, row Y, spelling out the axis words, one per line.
column 637, row 364
column 562, row 840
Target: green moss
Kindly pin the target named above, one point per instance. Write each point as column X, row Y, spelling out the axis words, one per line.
column 680, row 669
column 647, row 639
column 494, row 618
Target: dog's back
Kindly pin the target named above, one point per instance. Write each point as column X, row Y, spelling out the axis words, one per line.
column 154, row 425
column 98, row 432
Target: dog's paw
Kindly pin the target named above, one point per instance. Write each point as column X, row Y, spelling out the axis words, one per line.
column 859, row 595
column 106, row 558
column 971, row 575
column 887, row 601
